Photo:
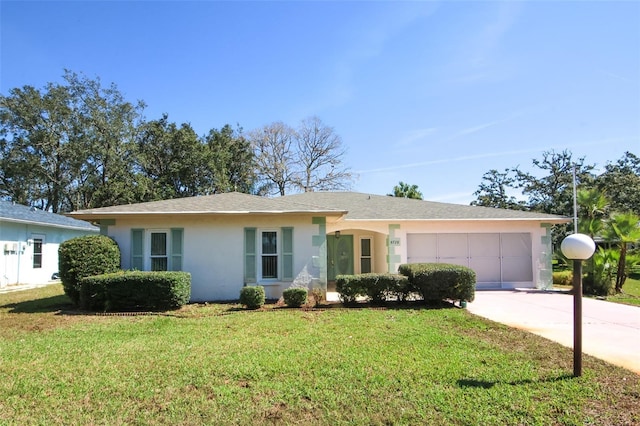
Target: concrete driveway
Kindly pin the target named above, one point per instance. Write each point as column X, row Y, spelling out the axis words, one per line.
column 610, row 331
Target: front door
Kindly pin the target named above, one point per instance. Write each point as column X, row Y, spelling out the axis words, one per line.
column 339, row 256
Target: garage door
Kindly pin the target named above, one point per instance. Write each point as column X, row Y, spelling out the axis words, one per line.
column 498, row 259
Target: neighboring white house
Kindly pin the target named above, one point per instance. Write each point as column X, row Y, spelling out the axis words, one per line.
column 29, row 241
column 230, row 240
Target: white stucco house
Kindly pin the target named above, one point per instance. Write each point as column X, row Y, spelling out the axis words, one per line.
column 29, row 241
column 230, row 240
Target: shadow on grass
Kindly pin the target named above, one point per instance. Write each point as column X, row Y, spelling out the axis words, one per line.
column 47, row 304
column 486, row 384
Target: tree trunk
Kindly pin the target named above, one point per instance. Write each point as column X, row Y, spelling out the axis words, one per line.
column 621, row 277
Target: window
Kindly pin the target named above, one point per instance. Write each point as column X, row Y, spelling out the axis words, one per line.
column 37, row 253
column 365, row 255
column 269, row 254
column 158, row 251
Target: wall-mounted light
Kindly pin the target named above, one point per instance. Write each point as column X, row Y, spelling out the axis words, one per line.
column 337, row 234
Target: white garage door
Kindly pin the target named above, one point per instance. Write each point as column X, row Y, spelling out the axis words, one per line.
column 498, row 259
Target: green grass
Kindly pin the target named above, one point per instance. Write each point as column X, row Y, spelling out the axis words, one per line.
column 217, row 364
column 630, row 292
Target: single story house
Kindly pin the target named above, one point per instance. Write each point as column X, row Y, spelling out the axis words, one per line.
column 230, row 240
column 29, row 241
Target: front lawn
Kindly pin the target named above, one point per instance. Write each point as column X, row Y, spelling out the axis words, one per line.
column 215, row 364
column 630, row 292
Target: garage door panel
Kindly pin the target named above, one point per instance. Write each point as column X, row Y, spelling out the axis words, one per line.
column 495, row 257
column 487, row 269
column 462, row 261
column 516, row 245
column 517, row 269
column 422, row 245
column 421, row 259
column 484, row 245
column 452, row 246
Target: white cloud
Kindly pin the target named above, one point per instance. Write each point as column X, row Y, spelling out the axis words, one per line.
column 496, row 154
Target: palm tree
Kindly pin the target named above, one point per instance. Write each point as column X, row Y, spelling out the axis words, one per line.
column 593, row 206
column 405, row 190
column 624, row 229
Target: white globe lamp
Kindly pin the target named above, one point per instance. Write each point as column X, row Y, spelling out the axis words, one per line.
column 578, row 247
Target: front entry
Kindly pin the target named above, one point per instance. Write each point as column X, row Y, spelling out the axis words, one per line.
column 339, row 256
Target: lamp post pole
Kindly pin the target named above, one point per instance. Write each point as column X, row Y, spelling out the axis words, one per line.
column 577, row 247
column 577, row 318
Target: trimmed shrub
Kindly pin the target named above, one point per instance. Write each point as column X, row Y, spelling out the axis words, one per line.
column 440, row 281
column 85, row 256
column 349, row 288
column 252, row 297
column 563, row 278
column 135, row 291
column 295, row 296
column 377, row 288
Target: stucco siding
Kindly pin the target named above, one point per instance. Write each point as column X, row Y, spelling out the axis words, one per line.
column 17, row 266
column 540, row 258
column 214, row 251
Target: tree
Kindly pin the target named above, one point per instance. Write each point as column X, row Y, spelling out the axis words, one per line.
column 492, row 192
column 624, row 230
column 593, row 207
column 307, row 159
column 404, row 190
column 621, row 183
column 67, row 147
column 553, row 193
column 231, row 160
column 37, row 137
column 319, row 158
column 275, row 160
column 108, row 130
column 173, row 161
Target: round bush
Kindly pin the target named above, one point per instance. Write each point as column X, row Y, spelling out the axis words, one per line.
column 83, row 257
column 252, row 297
column 295, row 297
column 563, row 278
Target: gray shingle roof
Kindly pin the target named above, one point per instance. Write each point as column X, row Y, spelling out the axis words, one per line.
column 354, row 205
column 227, row 203
column 18, row 213
column 379, row 207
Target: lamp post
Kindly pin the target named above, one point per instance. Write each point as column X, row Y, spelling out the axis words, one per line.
column 577, row 247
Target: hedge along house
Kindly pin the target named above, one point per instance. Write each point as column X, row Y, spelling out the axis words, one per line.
column 29, row 241
column 230, row 240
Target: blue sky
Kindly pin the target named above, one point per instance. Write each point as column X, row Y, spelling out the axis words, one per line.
column 430, row 93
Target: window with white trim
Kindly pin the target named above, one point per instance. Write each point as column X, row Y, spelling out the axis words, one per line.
column 365, row 255
column 269, row 254
column 158, row 250
column 37, row 252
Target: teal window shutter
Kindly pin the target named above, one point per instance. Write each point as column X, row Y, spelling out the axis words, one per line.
column 176, row 248
column 287, row 254
column 137, row 249
column 250, row 255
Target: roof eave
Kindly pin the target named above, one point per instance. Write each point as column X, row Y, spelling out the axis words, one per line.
column 510, row 219
column 104, row 215
column 89, row 227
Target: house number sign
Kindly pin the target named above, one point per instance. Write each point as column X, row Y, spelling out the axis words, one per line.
column 394, row 241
